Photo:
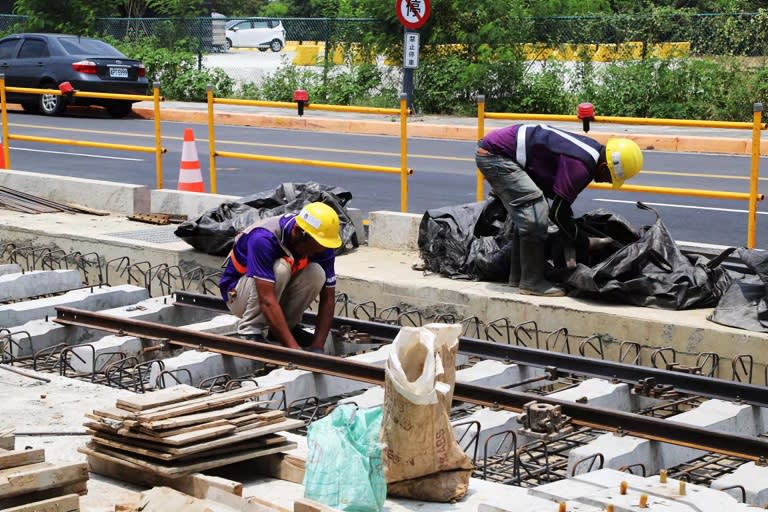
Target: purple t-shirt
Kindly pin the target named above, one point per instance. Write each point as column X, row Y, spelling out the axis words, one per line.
column 552, row 172
column 259, row 250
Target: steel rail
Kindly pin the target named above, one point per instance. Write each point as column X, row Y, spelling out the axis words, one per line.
column 735, row 445
column 599, row 368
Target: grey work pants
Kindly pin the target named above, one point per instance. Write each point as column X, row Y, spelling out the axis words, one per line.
column 295, row 292
column 525, row 202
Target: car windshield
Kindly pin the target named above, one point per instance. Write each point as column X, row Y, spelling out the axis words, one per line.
column 85, row 46
column 231, row 23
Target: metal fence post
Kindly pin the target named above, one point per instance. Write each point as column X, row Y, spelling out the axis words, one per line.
column 403, row 152
column 754, row 177
column 158, row 137
column 480, row 134
column 4, row 107
column 211, row 140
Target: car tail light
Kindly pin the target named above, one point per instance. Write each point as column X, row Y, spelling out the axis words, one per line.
column 142, row 70
column 85, row 66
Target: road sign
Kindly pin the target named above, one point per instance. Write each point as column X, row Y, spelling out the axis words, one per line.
column 412, row 13
column 411, row 50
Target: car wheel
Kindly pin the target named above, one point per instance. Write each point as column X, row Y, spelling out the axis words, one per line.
column 228, row 45
column 276, row 45
column 30, row 108
column 51, row 105
column 263, row 48
column 119, row 109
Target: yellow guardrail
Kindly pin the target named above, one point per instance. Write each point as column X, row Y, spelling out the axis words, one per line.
column 403, row 170
column 157, row 149
column 756, row 126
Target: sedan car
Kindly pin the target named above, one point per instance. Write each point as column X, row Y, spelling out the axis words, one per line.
column 46, row 60
column 261, row 34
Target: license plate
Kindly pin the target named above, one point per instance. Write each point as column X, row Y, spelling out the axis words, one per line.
column 118, row 72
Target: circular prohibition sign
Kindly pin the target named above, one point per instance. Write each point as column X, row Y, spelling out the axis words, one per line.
column 412, row 13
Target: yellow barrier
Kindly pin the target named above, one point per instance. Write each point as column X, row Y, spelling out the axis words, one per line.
column 404, row 171
column 632, row 50
column 306, row 55
column 157, row 149
column 756, row 126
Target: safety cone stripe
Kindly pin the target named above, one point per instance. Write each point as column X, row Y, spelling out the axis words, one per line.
column 190, row 177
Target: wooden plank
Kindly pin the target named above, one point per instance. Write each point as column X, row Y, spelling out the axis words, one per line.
column 164, row 499
column 54, row 492
column 204, row 403
column 195, row 484
column 307, row 505
column 36, row 477
column 113, row 413
column 7, row 438
column 198, row 418
column 159, row 398
column 184, row 430
column 15, row 458
column 180, row 469
column 169, row 453
column 195, row 436
column 68, row 503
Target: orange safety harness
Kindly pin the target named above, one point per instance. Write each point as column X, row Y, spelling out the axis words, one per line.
column 295, row 265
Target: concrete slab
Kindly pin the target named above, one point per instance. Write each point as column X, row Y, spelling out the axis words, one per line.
column 109, row 196
column 393, row 230
column 298, row 383
column 598, row 393
column 37, row 283
column 92, row 299
column 617, row 451
column 192, row 367
column 752, row 477
column 368, row 399
column 9, row 268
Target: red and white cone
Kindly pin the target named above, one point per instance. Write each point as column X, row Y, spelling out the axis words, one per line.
column 190, row 177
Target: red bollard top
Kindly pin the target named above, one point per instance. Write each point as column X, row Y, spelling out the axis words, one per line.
column 300, row 95
column 66, row 88
column 586, row 111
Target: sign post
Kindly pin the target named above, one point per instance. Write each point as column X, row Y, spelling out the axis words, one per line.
column 412, row 14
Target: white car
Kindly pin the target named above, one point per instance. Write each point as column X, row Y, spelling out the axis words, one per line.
column 261, row 34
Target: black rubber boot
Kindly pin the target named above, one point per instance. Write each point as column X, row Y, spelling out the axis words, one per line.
column 514, row 260
column 533, row 261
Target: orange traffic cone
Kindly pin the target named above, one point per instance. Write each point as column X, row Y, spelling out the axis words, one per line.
column 190, row 177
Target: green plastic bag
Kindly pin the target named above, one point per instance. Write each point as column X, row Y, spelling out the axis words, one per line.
column 344, row 468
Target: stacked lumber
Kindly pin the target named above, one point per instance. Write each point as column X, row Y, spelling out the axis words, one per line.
column 28, row 483
column 175, row 432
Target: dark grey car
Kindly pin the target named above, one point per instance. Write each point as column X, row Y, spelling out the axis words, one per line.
column 90, row 65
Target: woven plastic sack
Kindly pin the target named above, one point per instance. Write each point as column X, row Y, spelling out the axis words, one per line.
column 344, row 467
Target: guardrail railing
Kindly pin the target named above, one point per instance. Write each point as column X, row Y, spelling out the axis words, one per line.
column 756, row 126
column 403, row 170
column 157, row 149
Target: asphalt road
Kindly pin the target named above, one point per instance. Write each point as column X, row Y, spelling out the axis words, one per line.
column 444, row 171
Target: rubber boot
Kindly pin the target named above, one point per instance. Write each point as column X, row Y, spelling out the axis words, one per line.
column 533, row 256
column 514, row 260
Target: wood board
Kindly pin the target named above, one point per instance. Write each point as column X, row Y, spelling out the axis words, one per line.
column 180, row 469
column 68, row 503
column 40, row 476
column 159, row 398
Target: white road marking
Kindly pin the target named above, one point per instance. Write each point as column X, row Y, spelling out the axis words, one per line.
column 79, row 154
column 728, row 210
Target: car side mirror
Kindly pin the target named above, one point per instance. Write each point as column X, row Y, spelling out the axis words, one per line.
column 234, row 29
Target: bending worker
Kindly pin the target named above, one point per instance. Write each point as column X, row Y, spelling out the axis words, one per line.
column 276, row 268
column 527, row 164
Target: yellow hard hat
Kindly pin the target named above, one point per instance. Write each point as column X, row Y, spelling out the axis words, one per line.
column 320, row 222
column 624, row 158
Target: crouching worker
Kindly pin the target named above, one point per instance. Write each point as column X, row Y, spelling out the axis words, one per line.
column 274, row 271
column 527, row 165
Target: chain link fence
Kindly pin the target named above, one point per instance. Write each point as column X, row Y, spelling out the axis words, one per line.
column 699, row 34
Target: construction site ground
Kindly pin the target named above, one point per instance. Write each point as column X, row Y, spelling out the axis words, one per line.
column 50, row 415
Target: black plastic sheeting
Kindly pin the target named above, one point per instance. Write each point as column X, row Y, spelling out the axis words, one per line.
column 214, row 231
column 645, row 267
column 744, row 304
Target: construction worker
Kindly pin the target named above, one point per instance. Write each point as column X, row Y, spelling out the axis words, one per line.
column 526, row 164
column 274, row 271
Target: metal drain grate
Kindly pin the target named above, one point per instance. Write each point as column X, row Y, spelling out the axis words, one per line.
column 159, row 235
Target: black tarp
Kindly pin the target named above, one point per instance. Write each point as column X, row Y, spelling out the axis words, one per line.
column 645, row 267
column 744, row 303
column 214, row 231
column 654, row 272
